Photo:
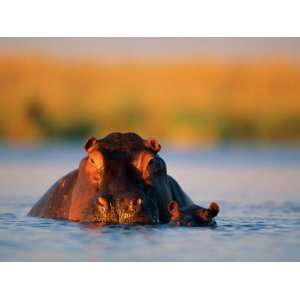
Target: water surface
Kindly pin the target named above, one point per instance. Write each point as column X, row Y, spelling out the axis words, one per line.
column 258, row 189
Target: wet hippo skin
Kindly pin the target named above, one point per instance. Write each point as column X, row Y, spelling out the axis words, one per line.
column 122, row 180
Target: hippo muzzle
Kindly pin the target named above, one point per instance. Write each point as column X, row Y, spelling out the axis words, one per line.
column 137, row 211
column 107, row 209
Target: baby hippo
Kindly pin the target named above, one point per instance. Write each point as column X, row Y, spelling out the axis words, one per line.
column 193, row 215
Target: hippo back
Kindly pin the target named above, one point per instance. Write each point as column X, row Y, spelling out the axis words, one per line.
column 55, row 203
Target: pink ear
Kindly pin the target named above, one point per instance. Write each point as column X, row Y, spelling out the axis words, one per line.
column 89, row 144
column 154, row 145
column 214, row 209
column 173, row 207
column 174, row 210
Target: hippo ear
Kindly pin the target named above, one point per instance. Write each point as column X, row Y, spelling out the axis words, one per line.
column 153, row 145
column 174, row 211
column 172, row 206
column 214, row 209
column 89, row 144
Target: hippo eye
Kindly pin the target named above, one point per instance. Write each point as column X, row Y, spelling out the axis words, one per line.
column 92, row 161
column 151, row 162
column 156, row 165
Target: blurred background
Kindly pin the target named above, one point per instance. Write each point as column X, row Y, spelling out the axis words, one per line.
column 181, row 90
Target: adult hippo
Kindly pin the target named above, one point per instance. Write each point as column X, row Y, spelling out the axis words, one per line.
column 122, row 180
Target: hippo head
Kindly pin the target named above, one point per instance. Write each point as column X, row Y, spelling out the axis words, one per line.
column 193, row 215
column 116, row 163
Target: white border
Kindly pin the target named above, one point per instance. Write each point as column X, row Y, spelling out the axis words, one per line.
column 137, row 280
column 145, row 281
column 149, row 18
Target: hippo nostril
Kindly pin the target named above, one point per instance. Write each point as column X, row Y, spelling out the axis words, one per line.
column 135, row 205
column 102, row 201
column 137, row 202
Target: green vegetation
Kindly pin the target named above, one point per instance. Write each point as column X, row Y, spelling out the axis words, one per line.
column 74, row 129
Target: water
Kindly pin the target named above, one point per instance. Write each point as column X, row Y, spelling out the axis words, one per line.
column 257, row 187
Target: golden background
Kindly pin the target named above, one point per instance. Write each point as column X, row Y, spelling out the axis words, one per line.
column 184, row 96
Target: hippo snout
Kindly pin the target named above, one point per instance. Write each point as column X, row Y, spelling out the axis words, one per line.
column 134, row 211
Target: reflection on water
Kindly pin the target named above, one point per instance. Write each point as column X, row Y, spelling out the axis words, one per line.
column 258, row 189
